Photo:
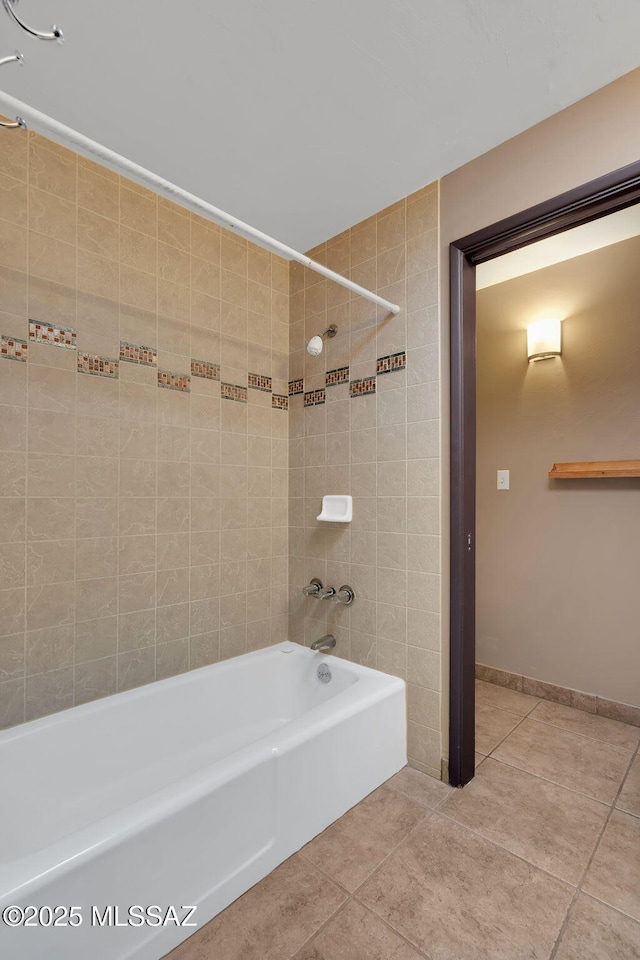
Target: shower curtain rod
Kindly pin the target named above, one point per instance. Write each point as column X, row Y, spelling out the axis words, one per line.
column 41, row 123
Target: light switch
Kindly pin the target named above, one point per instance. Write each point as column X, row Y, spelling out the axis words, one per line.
column 503, row 479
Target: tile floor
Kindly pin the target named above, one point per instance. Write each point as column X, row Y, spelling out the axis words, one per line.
column 537, row 859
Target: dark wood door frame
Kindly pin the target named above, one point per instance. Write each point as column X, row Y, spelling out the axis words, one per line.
column 584, row 203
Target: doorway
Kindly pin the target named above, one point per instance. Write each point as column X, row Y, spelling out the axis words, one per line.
column 588, row 202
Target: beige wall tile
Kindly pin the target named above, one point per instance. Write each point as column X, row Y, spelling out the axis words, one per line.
column 12, row 656
column 96, row 517
column 50, row 518
column 96, row 598
column 48, row 692
column 96, row 557
column 12, row 611
column 98, row 234
column 172, row 622
column 13, row 428
column 124, row 479
column 136, row 668
column 95, row 679
column 174, row 225
column 50, row 605
column 50, row 561
column 96, row 639
column 49, row 649
column 51, row 216
column 52, row 169
column 98, row 191
column 138, row 209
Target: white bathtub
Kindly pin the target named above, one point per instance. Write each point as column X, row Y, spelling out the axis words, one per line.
column 183, row 793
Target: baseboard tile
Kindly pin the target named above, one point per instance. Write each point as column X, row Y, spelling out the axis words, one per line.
column 625, row 712
column 588, row 702
column 500, row 677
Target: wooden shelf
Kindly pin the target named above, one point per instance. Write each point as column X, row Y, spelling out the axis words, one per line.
column 595, row 469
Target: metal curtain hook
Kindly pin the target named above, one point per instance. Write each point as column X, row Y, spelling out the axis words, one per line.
column 54, row 34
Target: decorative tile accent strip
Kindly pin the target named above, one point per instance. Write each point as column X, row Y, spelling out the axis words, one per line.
column 296, row 386
column 138, row 353
column 358, row 388
column 396, row 361
column 314, row 397
column 278, row 402
column 257, row 382
column 232, row 391
column 205, row 369
column 174, row 381
column 98, row 366
column 13, row 349
column 341, row 375
column 47, row 333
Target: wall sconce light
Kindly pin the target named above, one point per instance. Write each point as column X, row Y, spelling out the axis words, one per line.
column 544, row 339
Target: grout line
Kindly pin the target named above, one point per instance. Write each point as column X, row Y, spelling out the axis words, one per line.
column 323, row 926
column 423, row 820
column 538, row 776
column 495, row 843
column 604, row 903
column 414, row 946
column 608, row 743
column 500, row 742
column 592, row 857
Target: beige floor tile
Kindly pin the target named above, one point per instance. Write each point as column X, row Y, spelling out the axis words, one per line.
column 505, row 699
column 354, row 934
column 588, row 766
column 629, row 798
column 614, row 874
column 419, row 787
column 269, row 922
column 551, row 827
column 479, row 758
column 596, row 932
column 492, row 726
column 352, row 847
column 587, row 724
column 460, row 897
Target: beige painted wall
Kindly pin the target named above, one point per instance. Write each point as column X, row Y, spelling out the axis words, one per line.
column 557, row 562
column 381, row 447
column 590, row 138
column 143, row 530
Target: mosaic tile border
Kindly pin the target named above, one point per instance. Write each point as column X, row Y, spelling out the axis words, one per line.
column 13, row 349
column 49, row 333
column 233, row 391
column 360, row 388
column 174, row 381
column 138, row 353
column 313, row 398
column 395, row 361
column 259, row 382
column 333, row 377
column 296, row 387
column 98, row 366
column 205, row 369
column 279, row 402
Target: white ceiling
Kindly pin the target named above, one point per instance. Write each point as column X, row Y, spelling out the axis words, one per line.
column 303, row 117
column 564, row 246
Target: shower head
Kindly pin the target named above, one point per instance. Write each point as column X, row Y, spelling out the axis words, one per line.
column 314, row 347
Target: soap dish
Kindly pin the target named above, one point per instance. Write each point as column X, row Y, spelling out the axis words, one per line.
column 336, row 509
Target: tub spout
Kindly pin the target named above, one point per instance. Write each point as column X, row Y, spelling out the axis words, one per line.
column 324, row 643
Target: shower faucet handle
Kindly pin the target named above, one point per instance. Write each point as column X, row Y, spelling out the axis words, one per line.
column 313, row 588
column 344, row 595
